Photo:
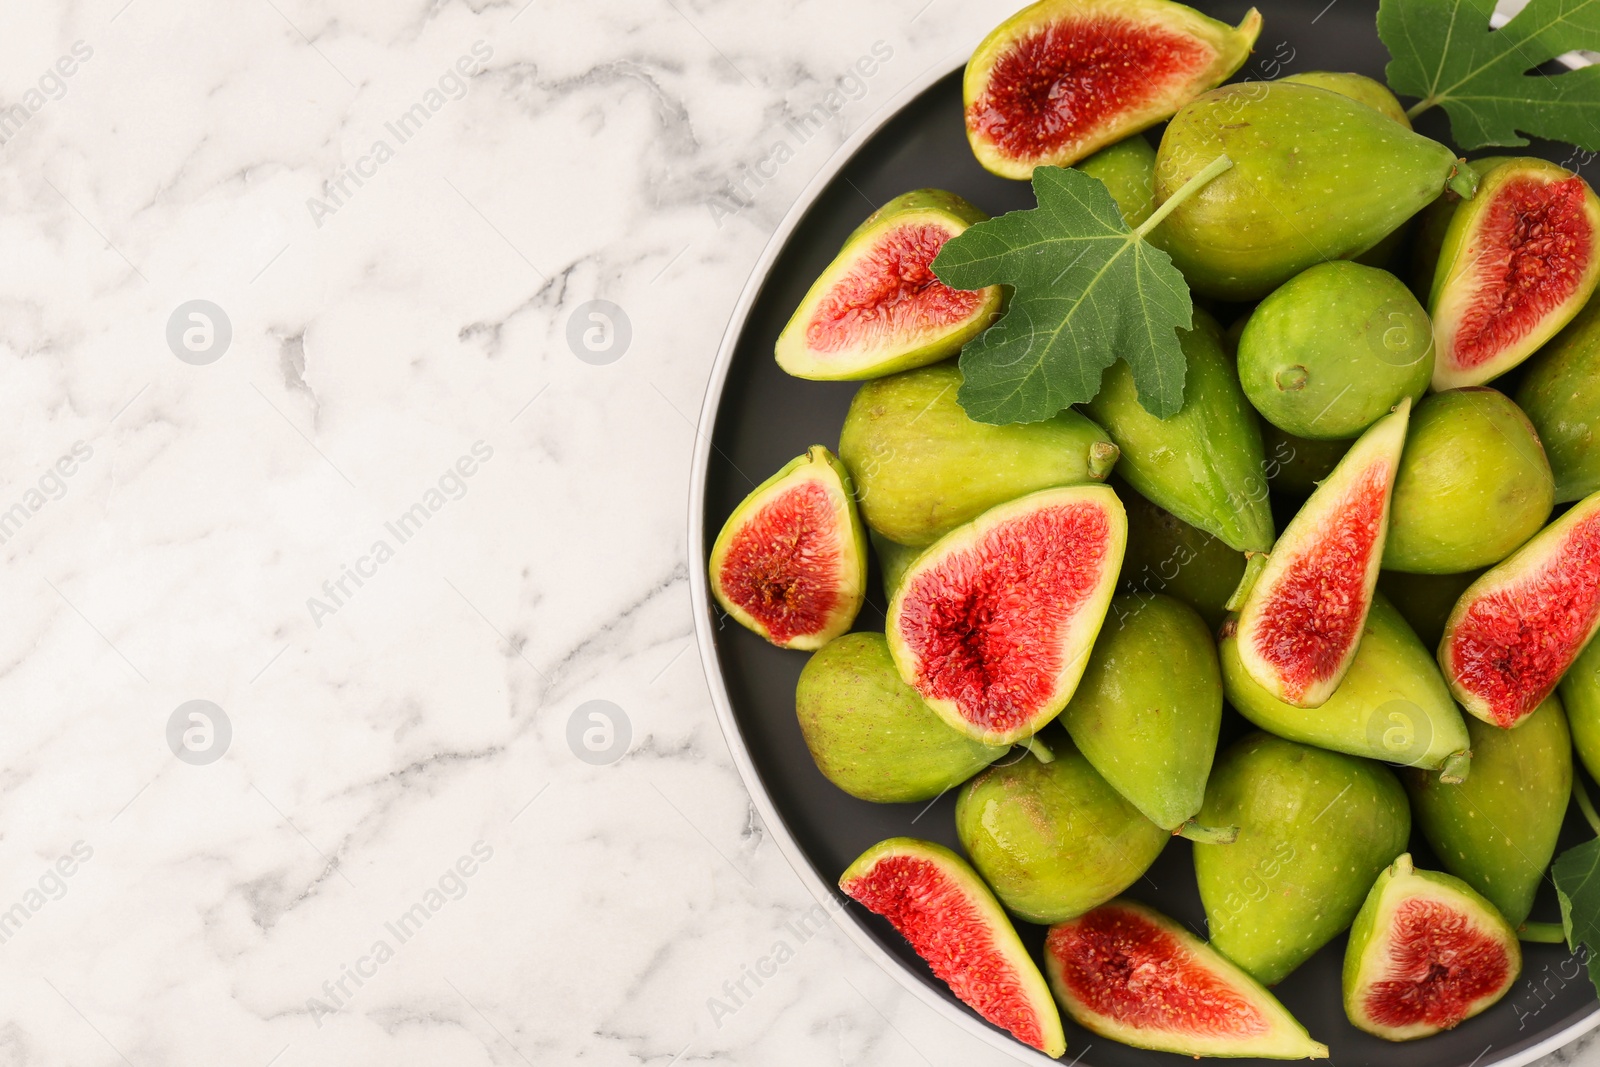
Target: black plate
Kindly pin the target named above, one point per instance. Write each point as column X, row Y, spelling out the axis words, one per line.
column 760, row 418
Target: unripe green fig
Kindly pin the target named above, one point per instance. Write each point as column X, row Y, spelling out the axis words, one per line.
column 1333, row 349
column 1561, row 395
column 1054, row 839
column 1204, row 463
column 1315, row 828
column 1167, row 555
column 1147, row 710
column 1580, row 698
column 922, row 468
column 893, row 559
column 871, row 734
column 1374, row 94
column 1296, row 464
column 1393, row 705
column 1316, row 176
column 1425, row 600
column 1497, row 830
column 1128, row 170
column 1473, row 485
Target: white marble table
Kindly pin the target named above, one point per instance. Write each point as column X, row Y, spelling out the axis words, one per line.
column 371, row 504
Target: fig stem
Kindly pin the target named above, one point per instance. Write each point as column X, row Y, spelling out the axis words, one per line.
column 1542, row 933
column 1455, row 768
column 1463, row 182
column 1419, row 107
column 1040, row 750
column 1214, row 168
column 1207, row 835
column 1585, row 805
column 1254, row 564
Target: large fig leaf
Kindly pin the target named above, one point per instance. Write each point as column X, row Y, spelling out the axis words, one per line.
column 1445, row 52
column 1088, row 291
column 1577, row 877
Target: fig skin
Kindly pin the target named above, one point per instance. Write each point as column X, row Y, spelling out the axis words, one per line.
column 1365, row 956
column 937, row 341
column 1203, row 464
column 1374, row 94
column 1148, row 708
column 817, row 464
column 1165, row 555
column 1283, row 1038
column 1425, row 600
column 1316, row 176
column 1315, row 828
column 1580, row 697
column 1003, row 944
column 923, row 468
column 1333, row 349
column 1497, row 830
column 1230, row 47
column 1128, row 171
column 893, row 560
column 1473, row 485
column 871, row 734
column 1296, row 464
column 1453, row 285
column 1054, row 839
column 1561, row 396
column 1393, row 705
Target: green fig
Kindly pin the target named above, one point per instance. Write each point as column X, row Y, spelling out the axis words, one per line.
column 877, row 308
column 1147, row 711
column 1580, row 698
column 1296, row 464
column 1128, row 170
column 893, row 559
column 1333, row 349
column 1204, row 463
column 922, row 468
column 1053, row 839
column 871, row 734
column 1392, row 706
column 1315, row 828
column 1497, row 830
column 1425, row 600
column 1316, row 176
column 1167, row 555
column 1473, row 484
column 1561, row 395
column 1374, row 94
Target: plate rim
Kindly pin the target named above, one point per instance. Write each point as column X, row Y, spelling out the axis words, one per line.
column 704, row 613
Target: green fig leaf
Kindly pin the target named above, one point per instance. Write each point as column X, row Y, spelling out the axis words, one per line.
column 1577, row 877
column 1088, row 291
column 1445, row 53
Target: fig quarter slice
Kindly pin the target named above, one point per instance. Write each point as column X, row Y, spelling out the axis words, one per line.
column 1129, row 973
column 1519, row 261
column 1062, row 79
column 878, row 308
column 1517, row 629
column 1426, row 953
column 993, row 623
column 1301, row 622
column 791, row 561
column 940, row 905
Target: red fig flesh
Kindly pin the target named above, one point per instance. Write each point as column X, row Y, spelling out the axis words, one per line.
column 1517, row 629
column 791, row 561
column 939, row 904
column 1126, row 972
column 1064, row 78
column 1519, row 261
column 1301, row 622
column 992, row 624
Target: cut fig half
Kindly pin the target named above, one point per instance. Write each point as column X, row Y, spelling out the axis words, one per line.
column 1425, row 954
column 1520, row 259
column 1300, row 623
column 940, row 905
column 878, row 308
column 993, row 622
column 1517, row 629
column 1129, row 973
column 791, row 561
column 1061, row 79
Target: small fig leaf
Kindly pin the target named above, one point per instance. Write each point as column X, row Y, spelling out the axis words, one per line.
column 1088, row 291
column 1445, row 52
column 1577, row 877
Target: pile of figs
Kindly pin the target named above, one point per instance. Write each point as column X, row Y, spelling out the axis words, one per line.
column 1372, row 531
